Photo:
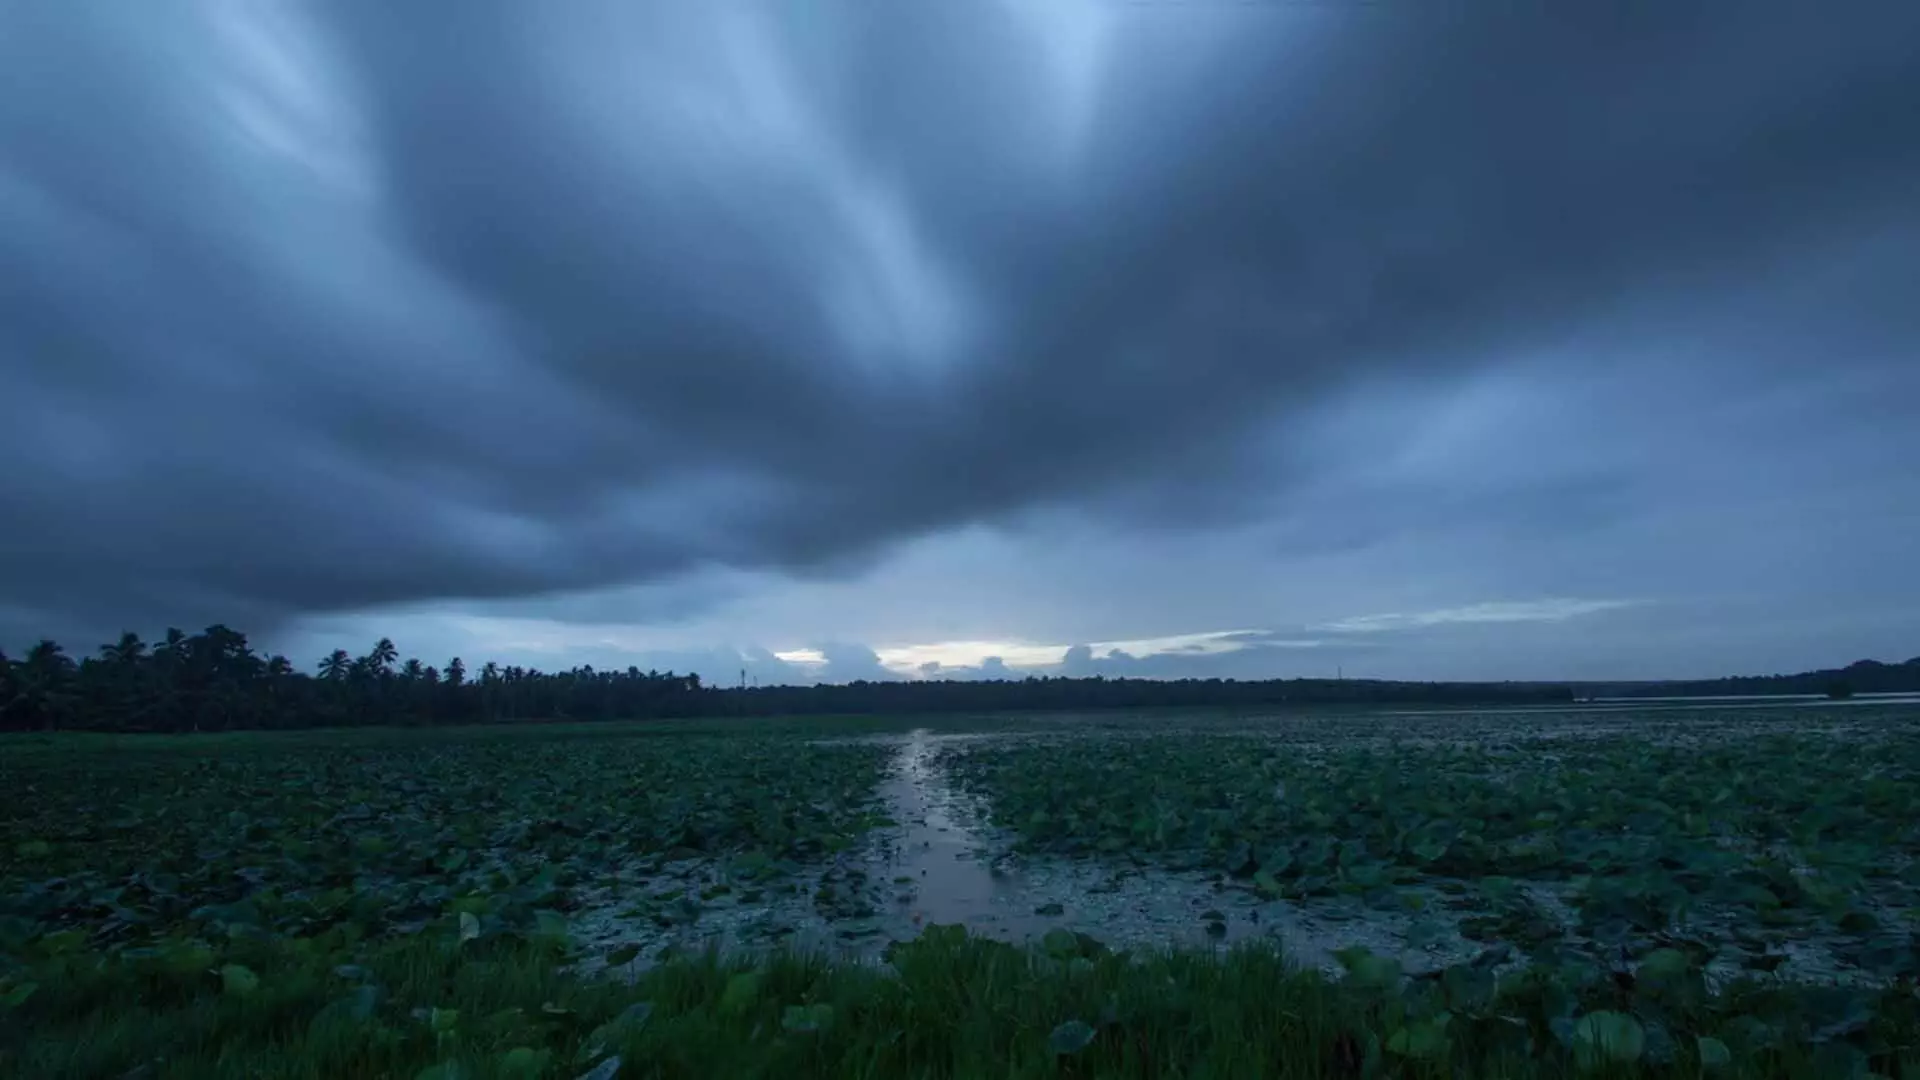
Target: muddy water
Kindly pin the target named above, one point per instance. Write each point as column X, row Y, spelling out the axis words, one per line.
column 939, row 863
column 928, row 867
column 937, row 866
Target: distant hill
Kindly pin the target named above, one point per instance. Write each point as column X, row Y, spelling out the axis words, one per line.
column 1859, row 677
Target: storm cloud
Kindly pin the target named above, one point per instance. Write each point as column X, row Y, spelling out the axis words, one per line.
column 310, row 310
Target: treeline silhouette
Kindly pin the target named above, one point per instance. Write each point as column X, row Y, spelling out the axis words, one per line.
column 216, row 681
column 1859, row 677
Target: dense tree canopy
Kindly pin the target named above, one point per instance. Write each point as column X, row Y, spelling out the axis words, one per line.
column 215, row 681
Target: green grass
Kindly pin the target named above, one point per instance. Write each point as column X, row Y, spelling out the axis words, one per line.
column 949, row 1006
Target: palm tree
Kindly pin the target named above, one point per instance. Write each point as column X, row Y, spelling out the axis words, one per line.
column 119, row 686
column 225, row 644
column 128, row 650
column 48, row 659
column 336, row 666
column 489, row 689
column 380, row 660
column 166, row 651
column 9, row 692
column 45, row 680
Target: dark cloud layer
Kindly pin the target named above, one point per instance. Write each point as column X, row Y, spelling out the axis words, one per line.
column 371, row 303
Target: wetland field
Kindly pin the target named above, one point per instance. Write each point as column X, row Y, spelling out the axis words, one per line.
column 1660, row 890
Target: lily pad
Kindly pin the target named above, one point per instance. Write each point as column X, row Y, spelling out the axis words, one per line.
column 238, row 980
column 1070, row 1037
column 807, row 1019
column 1603, row 1037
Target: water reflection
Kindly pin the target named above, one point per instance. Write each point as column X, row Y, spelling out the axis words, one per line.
column 941, row 868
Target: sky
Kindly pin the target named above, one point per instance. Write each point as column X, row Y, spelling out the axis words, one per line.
column 1434, row 339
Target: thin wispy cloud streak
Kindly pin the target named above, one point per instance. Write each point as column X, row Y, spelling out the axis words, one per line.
column 1520, row 611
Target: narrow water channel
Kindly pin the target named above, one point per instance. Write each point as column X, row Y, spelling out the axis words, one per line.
column 939, row 868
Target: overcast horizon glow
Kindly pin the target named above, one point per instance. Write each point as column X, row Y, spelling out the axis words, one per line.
column 832, row 341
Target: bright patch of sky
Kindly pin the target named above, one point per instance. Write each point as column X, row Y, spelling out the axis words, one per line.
column 908, row 658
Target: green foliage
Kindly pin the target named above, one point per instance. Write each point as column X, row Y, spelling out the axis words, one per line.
column 1603, row 1038
column 1423, row 1040
column 741, row 993
column 950, row 1005
column 807, row 1019
column 523, row 1063
column 401, row 905
column 1071, row 1037
column 1367, row 970
column 1774, row 834
column 215, row 681
column 239, row 979
column 480, row 841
